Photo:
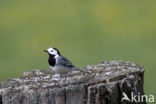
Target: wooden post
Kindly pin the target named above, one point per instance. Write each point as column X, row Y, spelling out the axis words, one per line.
column 105, row 85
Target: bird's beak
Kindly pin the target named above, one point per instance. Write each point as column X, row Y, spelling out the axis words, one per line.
column 45, row 50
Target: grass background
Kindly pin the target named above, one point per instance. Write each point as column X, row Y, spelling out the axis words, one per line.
column 86, row 32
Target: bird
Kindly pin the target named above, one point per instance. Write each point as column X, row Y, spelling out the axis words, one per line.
column 60, row 64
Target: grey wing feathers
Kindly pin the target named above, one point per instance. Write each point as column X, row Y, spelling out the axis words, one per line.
column 65, row 62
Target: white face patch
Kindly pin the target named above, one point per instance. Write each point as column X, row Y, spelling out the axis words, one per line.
column 52, row 51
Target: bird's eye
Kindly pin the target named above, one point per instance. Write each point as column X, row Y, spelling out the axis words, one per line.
column 51, row 50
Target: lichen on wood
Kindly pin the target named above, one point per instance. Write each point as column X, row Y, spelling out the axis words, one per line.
column 104, row 85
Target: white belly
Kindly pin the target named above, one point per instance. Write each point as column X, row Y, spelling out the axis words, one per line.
column 60, row 69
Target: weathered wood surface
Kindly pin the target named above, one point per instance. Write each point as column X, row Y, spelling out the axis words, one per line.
column 104, row 86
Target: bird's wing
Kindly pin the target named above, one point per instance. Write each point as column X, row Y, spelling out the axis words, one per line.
column 64, row 61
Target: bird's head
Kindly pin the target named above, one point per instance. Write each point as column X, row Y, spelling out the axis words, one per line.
column 53, row 51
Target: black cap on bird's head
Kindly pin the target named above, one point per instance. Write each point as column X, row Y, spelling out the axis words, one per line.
column 53, row 51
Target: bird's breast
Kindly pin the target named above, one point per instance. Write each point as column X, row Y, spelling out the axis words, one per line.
column 60, row 69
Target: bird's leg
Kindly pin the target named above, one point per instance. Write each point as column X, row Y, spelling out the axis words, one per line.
column 61, row 76
column 65, row 77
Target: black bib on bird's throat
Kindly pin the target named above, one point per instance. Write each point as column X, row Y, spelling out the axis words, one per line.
column 52, row 60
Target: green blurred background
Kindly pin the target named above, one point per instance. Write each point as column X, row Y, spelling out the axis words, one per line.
column 86, row 32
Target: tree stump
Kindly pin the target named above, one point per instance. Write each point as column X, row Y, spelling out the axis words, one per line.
column 105, row 85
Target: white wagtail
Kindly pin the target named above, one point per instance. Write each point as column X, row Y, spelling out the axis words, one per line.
column 59, row 64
